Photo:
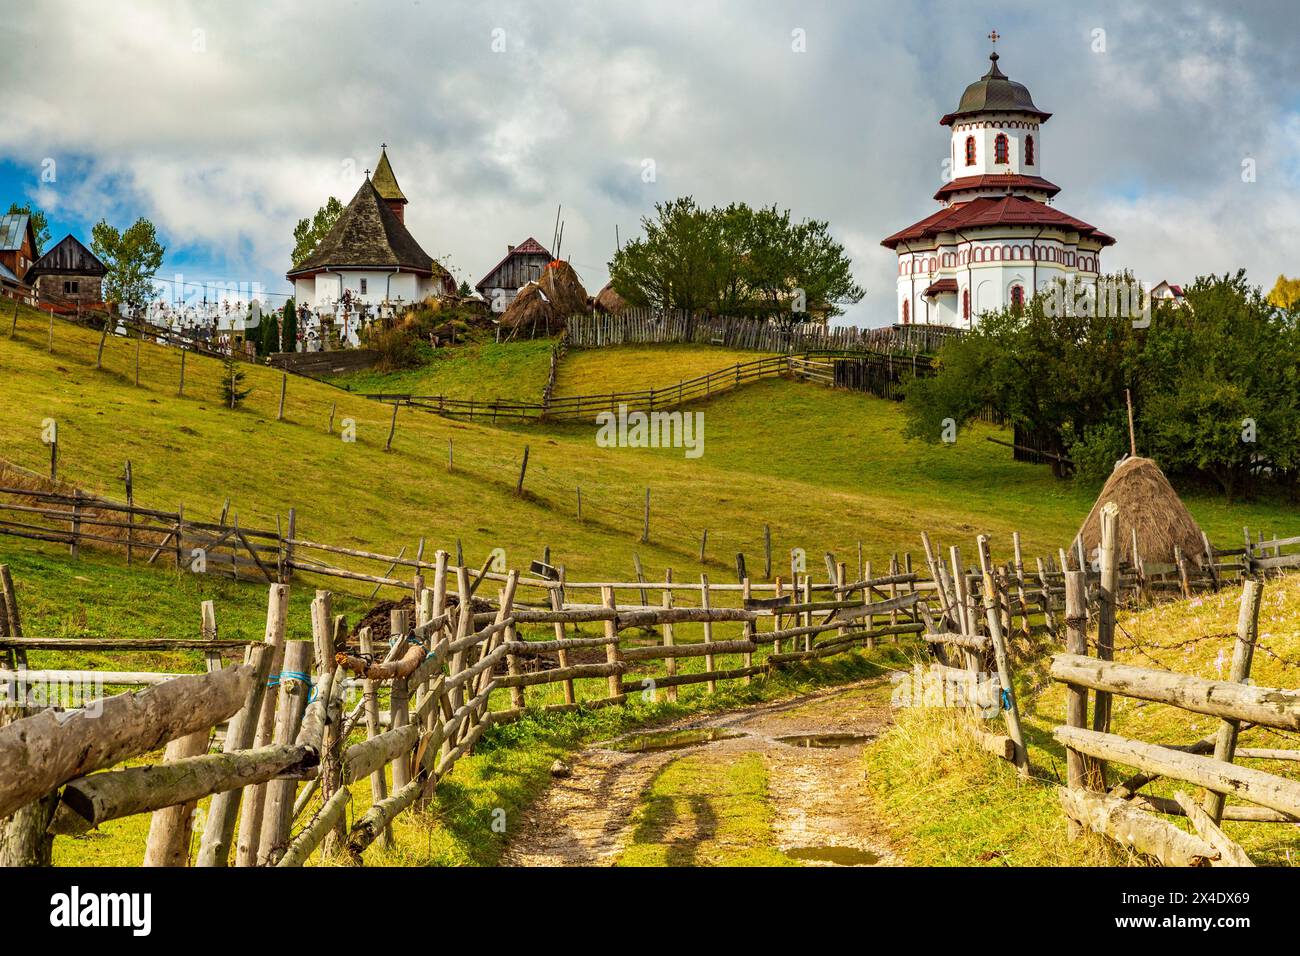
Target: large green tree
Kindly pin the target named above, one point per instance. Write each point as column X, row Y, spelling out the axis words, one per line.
column 309, row 232
column 1214, row 383
column 735, row 260
column 40, row 225
column 131, row 258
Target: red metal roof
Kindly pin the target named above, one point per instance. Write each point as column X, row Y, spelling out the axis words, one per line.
column 989, row 212
column 997, row 181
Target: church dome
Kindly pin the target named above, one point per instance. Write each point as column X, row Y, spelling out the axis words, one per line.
column 994, row 93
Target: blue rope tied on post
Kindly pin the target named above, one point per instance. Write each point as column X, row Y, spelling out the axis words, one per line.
column 1006, row 699
column 276, row 679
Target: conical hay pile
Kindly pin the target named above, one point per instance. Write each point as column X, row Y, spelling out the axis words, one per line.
column 563, row 287
column 1148, row 503
column 607, row 300
column 529, row 311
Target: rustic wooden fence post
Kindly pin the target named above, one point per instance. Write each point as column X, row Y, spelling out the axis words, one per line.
column 1106, row 615
column 250, row 821
column 751, row 630
column 398, row 697
column 706, row 603
column 170, row 828
column 392, row 428
column 613, row 656
column 1243, row 653
column 1076, row 697
column 284, row 386
column 24, row 835
column 523, row 469
column 992, row 614
column 180, row 388
column 370, row 707
column 670, row 663
column 557, row 604
column 295, row 689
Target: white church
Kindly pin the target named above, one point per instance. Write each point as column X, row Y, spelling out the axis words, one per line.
column 368, row 263
column 997, row 237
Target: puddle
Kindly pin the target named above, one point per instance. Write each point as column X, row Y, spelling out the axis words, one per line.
column 823, row 740
column 669, row 740
column 839, row 855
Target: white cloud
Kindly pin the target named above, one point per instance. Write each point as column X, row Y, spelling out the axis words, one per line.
column 226, row 137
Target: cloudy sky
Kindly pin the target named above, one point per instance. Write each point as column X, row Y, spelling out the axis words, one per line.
column 226, row 122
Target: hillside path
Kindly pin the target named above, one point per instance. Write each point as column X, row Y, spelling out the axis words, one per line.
column 818, row 794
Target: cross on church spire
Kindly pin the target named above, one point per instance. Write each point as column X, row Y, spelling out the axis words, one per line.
column 995, row 37
column 383, row 145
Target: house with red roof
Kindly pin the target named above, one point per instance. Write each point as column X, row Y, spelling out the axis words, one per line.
column 997, row 237
column 522, row 264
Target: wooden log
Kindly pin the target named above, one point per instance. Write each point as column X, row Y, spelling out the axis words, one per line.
column 399, row 694
column 1134, row 829
column 659, row 652
column 41, row 752
column 705, row 603
column 1241, row 814
column 170, row 828
column 370, row 700
column 254, row 799
column 372, row 754
column 24, row 836
column 329, row 816
column 1265, row 706
column 223, row 810
column 1255, row 786
column 1230, row 854
column 96, row 799
column 993, row 617
column 1243, row 652
column 295, row 688
column 612, row 658
column 1076, row 696
column 380, row 816
column 679, row 680
column 1000, row 745
column 610, row 669
column 1108, row 599
column 669, row 638
column 974, row 642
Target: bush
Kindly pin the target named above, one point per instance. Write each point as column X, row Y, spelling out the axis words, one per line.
column 1094, row 455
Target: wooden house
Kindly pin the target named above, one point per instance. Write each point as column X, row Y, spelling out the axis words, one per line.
column 523, row 264
column 17, row 250
column 68, row 271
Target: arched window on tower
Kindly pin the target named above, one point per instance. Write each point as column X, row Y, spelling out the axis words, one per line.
column 1017, row 296
column 1029, row 151
column 965, row 304
column 1000, row 149
column 970, row 150
column 906, row 313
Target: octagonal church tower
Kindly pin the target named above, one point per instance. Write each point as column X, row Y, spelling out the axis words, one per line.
column 997, row 237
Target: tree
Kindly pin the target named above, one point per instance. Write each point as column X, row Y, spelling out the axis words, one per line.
column 1055, row 373
column 308, row 233
column 463, row 290
column 1285, row 294
column 232, row 380
column 268, row 332
column 289, row 327
column 131, row 258
column 734, row 261
column 40, row 226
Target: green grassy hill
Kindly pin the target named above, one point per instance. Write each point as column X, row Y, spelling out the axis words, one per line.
column 952, row 804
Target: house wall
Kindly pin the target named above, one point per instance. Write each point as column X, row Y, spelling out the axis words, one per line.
column 90, row 289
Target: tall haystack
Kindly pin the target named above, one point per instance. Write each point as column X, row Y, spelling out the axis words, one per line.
column 542, row 307
column 607, row 300
column 1147, row 502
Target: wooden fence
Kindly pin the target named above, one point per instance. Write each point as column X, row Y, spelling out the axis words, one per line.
column 638, row 326
column 587, row 407
column 286, row 760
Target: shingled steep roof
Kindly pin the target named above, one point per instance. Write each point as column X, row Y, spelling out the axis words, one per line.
column 368, row 234
column 384, row 180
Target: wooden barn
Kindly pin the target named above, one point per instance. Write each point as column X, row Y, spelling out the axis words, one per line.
column 68, row 271
column 17, row 250
column 523, row 264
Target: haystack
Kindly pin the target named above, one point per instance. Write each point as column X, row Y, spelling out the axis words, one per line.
column 542, row 307
column 1147, row 502
column 607, row 300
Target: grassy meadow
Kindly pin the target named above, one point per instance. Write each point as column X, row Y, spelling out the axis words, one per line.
column 826, row 470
